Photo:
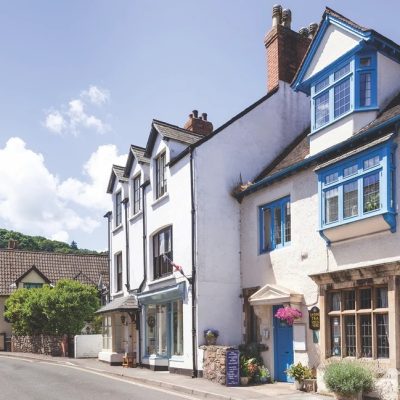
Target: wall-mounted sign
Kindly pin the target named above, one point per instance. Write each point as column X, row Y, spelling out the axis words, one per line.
column 314, row 319
column 232, row 368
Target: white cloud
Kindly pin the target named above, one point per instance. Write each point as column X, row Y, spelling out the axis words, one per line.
column 74, row 117
column 55, row 122
column 96, row 95
column 33, row 200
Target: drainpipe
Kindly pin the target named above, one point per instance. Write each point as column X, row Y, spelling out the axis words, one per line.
column 108, row 216
column 125, row 202
column 144, row 239
column 194, row 344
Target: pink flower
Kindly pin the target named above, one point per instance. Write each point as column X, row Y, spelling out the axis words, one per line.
column 288, row 314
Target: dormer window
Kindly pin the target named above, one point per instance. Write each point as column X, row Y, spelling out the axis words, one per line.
column 118, row 209
column 161, row 179
column 344, row 88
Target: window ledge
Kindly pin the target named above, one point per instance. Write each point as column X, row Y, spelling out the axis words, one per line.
column 286, row 246
column 160, row 200
column 161, row 280
column 136, row 216
column 378, row 222
column 117, row 229
column 330, row 123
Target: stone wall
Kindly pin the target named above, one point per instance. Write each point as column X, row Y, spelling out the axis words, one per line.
column 40, row 344
column 214, row 363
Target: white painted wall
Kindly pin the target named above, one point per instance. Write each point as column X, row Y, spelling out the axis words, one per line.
column 388, row 80
column 334, row 44
column 87, row 346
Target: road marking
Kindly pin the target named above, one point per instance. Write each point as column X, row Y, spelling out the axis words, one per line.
column 19, row 358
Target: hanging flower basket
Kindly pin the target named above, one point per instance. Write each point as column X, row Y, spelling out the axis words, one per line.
column 211, row 335
column 288, row 314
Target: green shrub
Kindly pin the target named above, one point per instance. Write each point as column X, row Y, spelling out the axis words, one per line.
column 299, row 372
column 347, row 378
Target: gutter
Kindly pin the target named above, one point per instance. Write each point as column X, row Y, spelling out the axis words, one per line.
column 125, row 203
column 313, row 159
column 193, row 234
column 108, row 216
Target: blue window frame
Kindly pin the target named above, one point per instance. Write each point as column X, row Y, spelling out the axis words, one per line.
column 344, row 88
column 363, row 187
column 275, row 225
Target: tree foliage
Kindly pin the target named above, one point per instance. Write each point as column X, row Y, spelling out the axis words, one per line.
column 62, row 309
column 39, row 243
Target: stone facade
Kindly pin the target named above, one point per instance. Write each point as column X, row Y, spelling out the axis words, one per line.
column 40, row 344
column 214, row 363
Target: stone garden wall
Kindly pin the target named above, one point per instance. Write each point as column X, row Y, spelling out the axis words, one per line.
column 214, row 363
column 40, row 344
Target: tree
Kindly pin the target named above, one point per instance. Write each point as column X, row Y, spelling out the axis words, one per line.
column 62, row 309
column 74, row 245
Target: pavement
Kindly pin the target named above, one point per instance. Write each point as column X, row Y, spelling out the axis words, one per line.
column 199, row 387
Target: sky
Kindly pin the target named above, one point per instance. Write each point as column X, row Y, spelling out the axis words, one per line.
column 81, row 80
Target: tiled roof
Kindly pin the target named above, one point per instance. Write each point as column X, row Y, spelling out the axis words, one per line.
column 176, row 133
column 117, row 171
column 329, row 11
column 126, row 303
column 138, row 152
column 86, row 268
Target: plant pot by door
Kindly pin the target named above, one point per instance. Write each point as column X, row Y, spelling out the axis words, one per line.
column 244, row 380
column 298, row 385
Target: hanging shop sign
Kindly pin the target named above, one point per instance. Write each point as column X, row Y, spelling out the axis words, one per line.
column 314, row 318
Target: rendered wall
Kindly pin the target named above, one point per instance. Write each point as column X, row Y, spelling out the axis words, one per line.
column 88, row 346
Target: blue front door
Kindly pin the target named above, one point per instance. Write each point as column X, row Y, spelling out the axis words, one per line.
column 283, row 348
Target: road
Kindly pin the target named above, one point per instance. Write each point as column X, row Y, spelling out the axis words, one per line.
column 23, row 379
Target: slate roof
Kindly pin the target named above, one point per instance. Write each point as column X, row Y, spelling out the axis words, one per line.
column 117, row 172
column 138, row 153
column 176, row 133
column 86, row 268
column 126, row 303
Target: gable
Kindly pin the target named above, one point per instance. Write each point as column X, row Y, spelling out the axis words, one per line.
column 334, row 43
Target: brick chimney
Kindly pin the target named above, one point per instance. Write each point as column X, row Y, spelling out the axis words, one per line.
column 285, row 48
column 198, row 124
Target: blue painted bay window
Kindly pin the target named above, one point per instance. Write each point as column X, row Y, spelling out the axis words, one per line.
column 344, row 87
column 275, row 225
column 358, row 187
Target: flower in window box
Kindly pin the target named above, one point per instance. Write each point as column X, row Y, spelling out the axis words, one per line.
column 288, row 314
column 211, row 335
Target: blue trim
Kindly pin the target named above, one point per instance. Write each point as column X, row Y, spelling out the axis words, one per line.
column 360, row 70
column 386, row 202
column 281, row 203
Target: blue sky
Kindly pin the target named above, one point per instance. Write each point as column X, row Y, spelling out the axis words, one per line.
column 80, row 80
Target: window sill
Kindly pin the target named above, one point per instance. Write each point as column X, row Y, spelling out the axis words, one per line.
column 162, row 279
column 136, row 216
column 262, row 252
column 118, row 294
column 313, row 132
column 160, row 200
column 117, row 229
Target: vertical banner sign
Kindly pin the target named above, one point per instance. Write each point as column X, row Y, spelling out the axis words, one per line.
column 313, row 315
column 232, row 368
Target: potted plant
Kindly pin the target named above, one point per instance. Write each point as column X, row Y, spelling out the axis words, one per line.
column 299, row 372
column 263, row 375
column 253, row 369
column 288, row 314
column 348, row 379
column 210, row 336
column 244, row 373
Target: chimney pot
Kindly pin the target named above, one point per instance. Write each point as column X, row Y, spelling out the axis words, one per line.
column 198, row 124
column 12, row 244
column 190, row 116
column 286, row 18
column 312, row 29
column 204, row 115
column 303, row 32
column 276, row 15
column 195, row 113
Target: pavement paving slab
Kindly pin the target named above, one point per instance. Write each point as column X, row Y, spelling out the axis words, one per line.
column 199, row 387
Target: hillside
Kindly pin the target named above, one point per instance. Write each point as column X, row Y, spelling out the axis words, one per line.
column 39, row 243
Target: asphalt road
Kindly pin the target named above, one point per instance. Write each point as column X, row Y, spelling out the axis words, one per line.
column 22, row 379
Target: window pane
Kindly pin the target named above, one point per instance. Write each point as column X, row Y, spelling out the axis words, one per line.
column 350, row 199
column 366, row 335
column 382, row 333
column 278, row 225
column 331, row 205
column 151, row 335
column 342, row 72
column 350, row 335
column 371, row 192
column 335, row 336
column 162, row 329
column 136, row 195
column 177, row 328
column 342, row 98
column 335, row 301
column 322, row 85
column 353, row 169
column 365, row 298
column 371, row 162
column 381, row 297
column 332, row 177
column 288, row 226
column 322, row 110
column 349, row 300
column 267, row 229
column 118, row 209
column 365, row 90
